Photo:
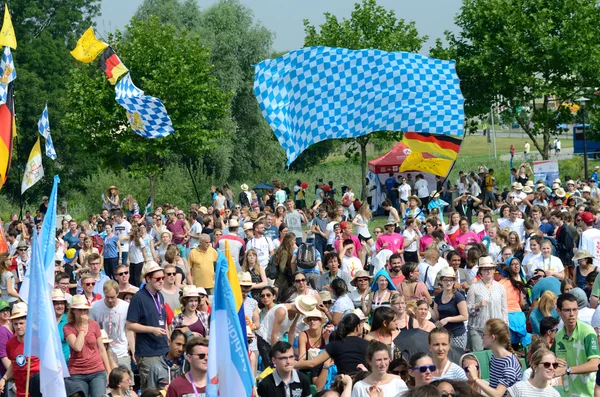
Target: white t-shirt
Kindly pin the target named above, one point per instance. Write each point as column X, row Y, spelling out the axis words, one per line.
column 422, row 188
column 409, row 235
column 475, row 189
column 196, row 228
column 396, row 387
column 553, row 263
column 516, row 226
column 351, row 265
column 263, row 247
column 526, row 389
column 362, row 231
column 113, row 322
column 331, row 236
column 135, row 252
column 123, row 228
column 590, row 241
column 404, row 191
column 529, row 261
column 476, row 227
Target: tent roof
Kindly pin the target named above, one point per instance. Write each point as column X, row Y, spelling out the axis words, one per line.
column 391, row 161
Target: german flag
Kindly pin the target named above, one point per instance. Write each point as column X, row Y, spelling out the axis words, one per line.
column 110, row 64
column 8, row 131
column 440, row 145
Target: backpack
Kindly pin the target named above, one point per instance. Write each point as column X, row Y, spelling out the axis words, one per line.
column 346, row 201
column 272, row 270
column 307, row 256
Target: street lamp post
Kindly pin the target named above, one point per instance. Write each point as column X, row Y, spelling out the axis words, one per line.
column 582, row 100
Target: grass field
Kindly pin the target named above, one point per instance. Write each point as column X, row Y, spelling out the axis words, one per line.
column 476, row 145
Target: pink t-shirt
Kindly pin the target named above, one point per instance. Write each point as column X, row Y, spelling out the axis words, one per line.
column 425, row 240
column 467, row 238
column 88, row 360
column 395, row 242
column 355, row 240
column 177, row 228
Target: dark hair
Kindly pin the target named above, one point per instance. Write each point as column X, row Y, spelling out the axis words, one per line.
column 452, row 254
column 374, row 347
column 565, row 282
column 591, row 277
column 347, row 241
column 271, row 290
column 151, row 392
column 547, row 323
column 516, row 284
column 286, row 295
column 339, row 287
column 439, row 234
column 423, row 391
column 380, row 315
column 565, row 297
column 348, row 324
column 395, row 256
column 537, row 239
column 280, row 347
column 408, row 268
column 329, row 256
column 61, row 275
column 438, row 330
column 193, row 342
column 281, row 227
column 412, row 362
column 116, row 376
column 176, row 333
column 433, row 222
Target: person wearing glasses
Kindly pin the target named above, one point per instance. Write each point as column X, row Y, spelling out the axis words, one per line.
column 543, row 365
column 285, row 380
column 194, row 381
column 94, row 265
column 379, row 382
column 421, row 369
column 122, row 277
column 88, row 284
column 170, row 291
column 147, row 318
column 505, row 367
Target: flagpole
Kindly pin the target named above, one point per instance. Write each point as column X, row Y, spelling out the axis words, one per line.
column 188, row 168
column 28, row 375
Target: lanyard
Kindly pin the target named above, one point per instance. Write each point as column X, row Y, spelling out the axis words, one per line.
column 156, row 303
column 191, row 379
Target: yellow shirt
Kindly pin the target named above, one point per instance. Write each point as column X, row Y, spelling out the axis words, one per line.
column 202, row 266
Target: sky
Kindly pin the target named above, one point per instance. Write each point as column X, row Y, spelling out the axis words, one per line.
column 284, row 17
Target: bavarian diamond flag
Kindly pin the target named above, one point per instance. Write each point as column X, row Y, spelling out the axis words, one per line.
column 147, row 115
column 318, row 93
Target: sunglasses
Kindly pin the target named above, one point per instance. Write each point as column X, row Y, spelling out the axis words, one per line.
column 327, row 302
column 467, row 368
column 362, row 279
column 158, row 278
column 122, row 273
column 22, row 249
column 266, row 295
column 449, row 394
column 201, row 356
column 90, row 284
column 547, row 365
column 553, row 330
column 171, row 274
column 300, row 280
column 424, row 368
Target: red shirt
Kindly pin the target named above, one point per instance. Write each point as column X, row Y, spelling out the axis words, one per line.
column 177, row 228
column 14, row 352
column 88, row 360
column 181, row 387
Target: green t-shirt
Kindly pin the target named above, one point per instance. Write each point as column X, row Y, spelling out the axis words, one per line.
column 577, row 350
column 596, row 286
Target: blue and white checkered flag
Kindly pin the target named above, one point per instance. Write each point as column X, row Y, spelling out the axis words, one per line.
column 147, row 115
column 9, row 73
column 318, row 93
column 44, row 130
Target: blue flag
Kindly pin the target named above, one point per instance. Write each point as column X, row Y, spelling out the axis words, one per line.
column 146, row 114
column 8, row 73
column 44, row 130
column 41, row 336
column 229, row 371
column 319, row 93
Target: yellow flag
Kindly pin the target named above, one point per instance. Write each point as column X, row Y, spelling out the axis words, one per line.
column 88, row 47
column 7, row 34
column 34, row 171
column 416, row 162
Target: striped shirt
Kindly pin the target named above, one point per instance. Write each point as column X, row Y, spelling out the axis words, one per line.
column 504, row 371
column 453, row 372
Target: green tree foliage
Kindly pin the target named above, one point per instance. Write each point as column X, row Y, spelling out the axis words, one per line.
column 236, row 43
column 172, row 66
column 527, row 56
column 369, row 26
column 45, row 31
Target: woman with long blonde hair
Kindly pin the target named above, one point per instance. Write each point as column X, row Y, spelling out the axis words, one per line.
column 87, row 249
column 257, row 273
column 545, row 308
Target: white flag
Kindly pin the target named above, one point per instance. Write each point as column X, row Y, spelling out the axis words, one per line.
column 34, row 171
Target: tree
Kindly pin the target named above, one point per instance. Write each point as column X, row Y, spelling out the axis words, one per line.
column 369, row 26
column 172, row 66
column 529, row 57
column 45, row 31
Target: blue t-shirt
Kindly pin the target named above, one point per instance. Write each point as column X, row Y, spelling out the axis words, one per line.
column 271, row 232
column 390, row 183
column 504, row 371
column 544, row 284
column 110, row 247
column 72, row 240
column 450, row 309
column 142, row 310
column 547, row 228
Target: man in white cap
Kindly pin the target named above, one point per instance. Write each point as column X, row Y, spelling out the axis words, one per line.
column 109, row 313
column 17, row 371
column 237, row 245
column 147, row 318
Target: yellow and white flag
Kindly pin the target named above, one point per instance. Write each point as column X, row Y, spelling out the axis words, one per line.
column 88, row 47
column 7, row 34
column 34, row 171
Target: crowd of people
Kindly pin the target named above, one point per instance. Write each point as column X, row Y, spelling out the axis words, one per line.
column 467, row 289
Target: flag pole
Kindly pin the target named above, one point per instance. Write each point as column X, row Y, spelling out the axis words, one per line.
column 28, row 375
column 188, row 168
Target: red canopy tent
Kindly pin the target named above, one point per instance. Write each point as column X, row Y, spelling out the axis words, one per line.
column 391, row 161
